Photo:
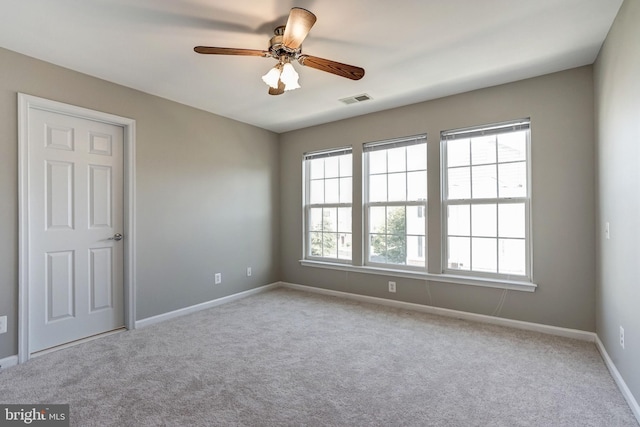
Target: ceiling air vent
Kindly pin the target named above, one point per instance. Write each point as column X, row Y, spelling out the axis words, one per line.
column 355, row 99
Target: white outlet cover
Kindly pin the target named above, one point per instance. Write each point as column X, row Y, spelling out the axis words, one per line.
column 3, row 324
column 218, row 278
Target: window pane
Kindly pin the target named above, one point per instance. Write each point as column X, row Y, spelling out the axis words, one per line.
column 396, row 237
column 484, row 182
column 415, row 220
column 512, row 220
column 377, row 162
column 416, row 251
column 329, row 219
column 417, row 157
column 396, row 159
column 397, row 187
column 459, row 183
column 331, row 167
column 483, row 150
column 377, row 248
column 316, row 188
column 315, row 219
column 396, row 223
column 459, row 253
column 329, row 245
column 484, row 220
column 512, row 256
column 512, row 146
column 316, row 167
column 331, row 190
column 378, row 219
column 345, row 190
column 484, row 255
column 316, row 243
column 459, row 220
column 378, row 188
column 396, row 249
column 458, row 152
column 344, row 245
column 344, row 220
column 346, row 165
column 513, row 179
column 417, row 185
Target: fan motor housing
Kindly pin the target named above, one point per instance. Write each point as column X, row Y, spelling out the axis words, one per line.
column 278, row 49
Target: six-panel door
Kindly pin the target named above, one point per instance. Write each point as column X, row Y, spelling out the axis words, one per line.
column 76, row 206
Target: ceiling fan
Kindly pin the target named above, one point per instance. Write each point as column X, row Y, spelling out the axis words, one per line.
column 286, row 46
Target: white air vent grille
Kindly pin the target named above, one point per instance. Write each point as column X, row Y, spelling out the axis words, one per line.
column 354, row 99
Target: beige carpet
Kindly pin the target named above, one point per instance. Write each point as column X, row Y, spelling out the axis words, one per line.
column 290, row 358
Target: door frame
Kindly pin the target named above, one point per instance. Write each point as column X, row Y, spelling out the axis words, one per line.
column 25, row 104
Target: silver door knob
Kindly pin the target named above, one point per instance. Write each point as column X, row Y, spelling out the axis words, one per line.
column 117, row 237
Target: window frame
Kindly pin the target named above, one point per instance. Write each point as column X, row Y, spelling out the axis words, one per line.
column 434, row 249
column 490, row 129
column 366, row 204
column 308, row 206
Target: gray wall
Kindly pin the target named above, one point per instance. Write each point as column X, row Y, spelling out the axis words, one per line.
column 207, row 192
column 617, row 94
column 561, row 109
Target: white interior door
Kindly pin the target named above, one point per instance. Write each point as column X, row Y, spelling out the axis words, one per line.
column 75, row 171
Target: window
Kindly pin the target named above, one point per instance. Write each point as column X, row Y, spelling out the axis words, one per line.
column 486, row 200
column 328, row 189
column 484, row 197
column 395, row 202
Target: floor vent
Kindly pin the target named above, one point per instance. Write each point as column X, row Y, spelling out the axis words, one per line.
column 355, row 99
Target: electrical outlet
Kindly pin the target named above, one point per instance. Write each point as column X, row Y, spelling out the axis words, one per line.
column 218, row 278
column 248, row 271
column 607, row 231
column 3, row 324
column 392, row 286
column 622, row 337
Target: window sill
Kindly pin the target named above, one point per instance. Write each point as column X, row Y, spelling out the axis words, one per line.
column 443, row 278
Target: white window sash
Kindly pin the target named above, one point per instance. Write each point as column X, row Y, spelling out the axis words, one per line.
column 500, row 128
column 380, row 146
column 307, row 157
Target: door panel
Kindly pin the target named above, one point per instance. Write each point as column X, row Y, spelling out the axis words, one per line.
column 58, row 137
column 101, row 280
column 76, row 205
column 60, row 286
column 59, row 194
column 99, row 196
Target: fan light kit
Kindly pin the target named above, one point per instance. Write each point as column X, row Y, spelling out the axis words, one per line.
column 286, row 46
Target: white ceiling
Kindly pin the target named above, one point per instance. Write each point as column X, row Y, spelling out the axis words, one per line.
column 412, row 50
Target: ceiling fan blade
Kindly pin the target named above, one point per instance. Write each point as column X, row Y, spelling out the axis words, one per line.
column 333, row 67
column 207, row 50
column 298, row 26
column 279, row 90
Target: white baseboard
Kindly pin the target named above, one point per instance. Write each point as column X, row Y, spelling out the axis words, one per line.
column 518, row 324
column 203, row 306
column 8, row 362
column 633, row 403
